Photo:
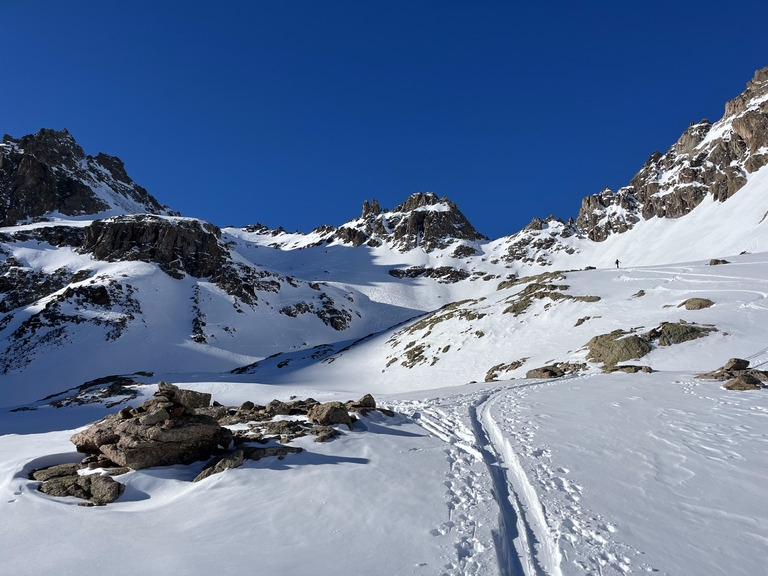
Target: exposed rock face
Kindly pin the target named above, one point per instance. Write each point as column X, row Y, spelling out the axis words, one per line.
column 49, row 325
column 177, row 246
column 443, row 274
column 707, row 159
column 607, row 213
column 161, row 432
column 48, row 172
column 325, row 309
column 537, row 241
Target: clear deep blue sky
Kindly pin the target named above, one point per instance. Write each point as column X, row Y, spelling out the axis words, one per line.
column 293, row 112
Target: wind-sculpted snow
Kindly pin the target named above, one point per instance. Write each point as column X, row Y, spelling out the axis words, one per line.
column 603, row 474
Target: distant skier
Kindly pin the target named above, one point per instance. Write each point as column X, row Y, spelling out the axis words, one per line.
column 617, row 262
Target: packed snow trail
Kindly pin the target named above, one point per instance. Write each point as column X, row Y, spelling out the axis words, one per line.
column 523, row 543
column 508, row 555
column 541, row 526
column 538, row 548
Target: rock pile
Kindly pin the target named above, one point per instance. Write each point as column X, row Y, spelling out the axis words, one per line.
column 180, row 427
column 737, row 375
column 164, row 431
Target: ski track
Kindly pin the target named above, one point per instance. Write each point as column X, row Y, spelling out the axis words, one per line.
column 542, row 527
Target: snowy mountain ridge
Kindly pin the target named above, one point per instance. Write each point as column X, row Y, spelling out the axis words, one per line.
column 335, row 284
column 549, row 415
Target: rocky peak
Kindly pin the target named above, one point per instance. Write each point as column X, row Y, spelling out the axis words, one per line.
column 52, row 147
column 423, row 220
column 49, row 172
column 707, row 159
column 692, row 137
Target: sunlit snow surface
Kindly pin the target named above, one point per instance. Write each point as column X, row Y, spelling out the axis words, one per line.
column 591, row 474
column 588, row 474
column 603, row 474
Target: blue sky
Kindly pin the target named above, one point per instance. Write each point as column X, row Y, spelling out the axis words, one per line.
column 293, row 112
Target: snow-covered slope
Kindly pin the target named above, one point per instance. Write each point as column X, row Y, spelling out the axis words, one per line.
column 548, row 416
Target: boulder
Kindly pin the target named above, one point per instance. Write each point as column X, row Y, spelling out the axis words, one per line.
column 193, row 399
column 734, row 368
column 617, row 347
column 556, row 370
column 324, row 433
column 544, row 372
column 744, row 382
column 629, row 369
column 736, row 364
column 363, row 406
column 330, row 413
column 697, row 303
column 99, row 490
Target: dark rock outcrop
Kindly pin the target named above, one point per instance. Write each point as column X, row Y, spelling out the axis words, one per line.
column 617, row 346
column 621, row 346
column 668, row 333
column 697, row 303
column 49, row 172
column 556, row 370
column 178, row 246
column 234, row 459
column 607, row 213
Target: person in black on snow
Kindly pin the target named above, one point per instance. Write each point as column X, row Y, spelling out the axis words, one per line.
column 617, row 262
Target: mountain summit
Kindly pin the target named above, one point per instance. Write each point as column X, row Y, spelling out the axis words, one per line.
column 423, row 220
column 49, row 173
